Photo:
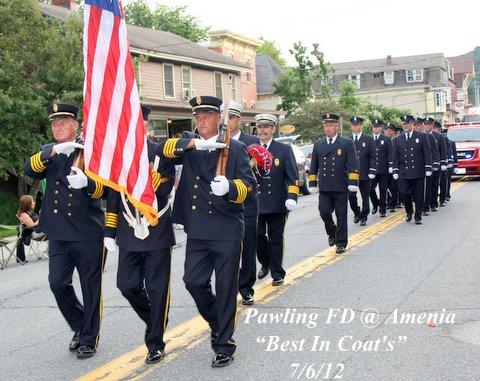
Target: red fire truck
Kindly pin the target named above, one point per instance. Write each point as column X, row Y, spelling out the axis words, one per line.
column 466, row 135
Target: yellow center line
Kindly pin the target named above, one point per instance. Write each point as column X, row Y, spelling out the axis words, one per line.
column 191, row 333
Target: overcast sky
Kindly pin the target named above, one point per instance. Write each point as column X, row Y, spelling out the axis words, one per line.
column 348, row 30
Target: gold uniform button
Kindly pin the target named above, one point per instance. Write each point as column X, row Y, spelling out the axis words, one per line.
column 209, row 203
column 269, row 192
column 195, row 186
column 194, row 207
column 194, row 197
column 197, row 177
column 55, row 211
column 69, row 204
column 69, row 187
column 57, row 182
column 70, row 195
column 69, row 214
column 210, row 212
column 55, row 201
column 56, row 192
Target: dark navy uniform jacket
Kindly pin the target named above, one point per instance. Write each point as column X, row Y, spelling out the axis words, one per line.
column 160, row 236
column 411, row 159
column 366, row 156
column 204, row 215
column 67, row 214
column 281, row 183
column 442, row 147
column 251, row 203
column 334, row 166
column 383, row 154
column 434, row 150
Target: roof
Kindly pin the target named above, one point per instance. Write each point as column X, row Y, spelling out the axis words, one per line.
column 267, row 72
column 463, row 64
column 219, row 34
column 396, row 63
column 161, row 44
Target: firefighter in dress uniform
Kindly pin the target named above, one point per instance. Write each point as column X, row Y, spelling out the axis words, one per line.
column 277, row 196
column 73, row 220
column 392, row 198
column 383, row 163
column 366, row 158
column 412, row 161
column 335, row 171
column 144, row 259
column 446, row 175
column 210, row 207
column 433, row 129
column 248, row 268
column 419, row 125
column 452, row 164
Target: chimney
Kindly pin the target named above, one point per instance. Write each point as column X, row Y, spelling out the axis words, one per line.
column 62, row 3
column 389, row 59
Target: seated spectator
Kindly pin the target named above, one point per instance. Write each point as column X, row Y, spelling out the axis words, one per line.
column 29, row 220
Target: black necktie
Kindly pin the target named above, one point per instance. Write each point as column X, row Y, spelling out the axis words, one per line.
column 408, row 137
column 356, row 138
column 330, row 141
column 265, row 146
column 376, row 138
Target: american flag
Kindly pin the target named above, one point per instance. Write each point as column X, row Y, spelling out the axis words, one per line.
column 115, row 144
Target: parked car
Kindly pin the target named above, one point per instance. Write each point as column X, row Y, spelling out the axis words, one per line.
column 307, row 151
column 301, row 160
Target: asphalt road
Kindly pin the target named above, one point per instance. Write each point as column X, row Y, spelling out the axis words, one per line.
column 393, row 271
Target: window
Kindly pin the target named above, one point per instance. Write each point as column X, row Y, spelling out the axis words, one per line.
column 186, row 82
column 248, row 76
column 168, row 81
column 414, row 75
column 218, row 85
column 377, row 75
column 438, row 99
column 389, row 77
column 234, row 88
column 355, row 78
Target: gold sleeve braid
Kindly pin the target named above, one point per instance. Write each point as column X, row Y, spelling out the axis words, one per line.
column 169, row 148
column 242, row 191
column 36, row 163
column 111, row 220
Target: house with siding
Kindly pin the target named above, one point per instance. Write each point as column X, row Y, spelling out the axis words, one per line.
column 171, row 70
column 422, row 83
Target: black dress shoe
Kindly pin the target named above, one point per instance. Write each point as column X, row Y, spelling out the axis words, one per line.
column 383, row 215
column 356, row 219
column 74, row 343
column 277, row 282
column 392, row 210
column 85, row 352
column 375, row 209
column 220, row 360
column 426, row 213
column 418, row 222
column 409, row 217
column 262, row 273
column 247, row 300
column 331, row 241
column 442, row 204
column 363, row 223
column 340, row 250
column 154, row 356
column 447, row 198
column 434, row 209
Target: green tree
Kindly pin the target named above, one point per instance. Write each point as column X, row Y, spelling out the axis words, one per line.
column 295, row 84
column 271, row 49
column 41, row 63
column 166, row 18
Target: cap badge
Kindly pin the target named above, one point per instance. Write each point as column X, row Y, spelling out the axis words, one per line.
column 55, row 107
column 199, row 100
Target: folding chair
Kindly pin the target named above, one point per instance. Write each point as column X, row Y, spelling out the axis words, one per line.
column 9, row 245
column 39, row 245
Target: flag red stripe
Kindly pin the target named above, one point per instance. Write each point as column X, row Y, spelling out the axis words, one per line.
column 106, row 97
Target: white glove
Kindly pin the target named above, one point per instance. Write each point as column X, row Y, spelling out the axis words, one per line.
column 395, row 176
column 390, row 170
column 428, row 173
column 443, row 167
column 435, row 169
column 290, row 204
column 449, row 165
column 205, row 145
column 78, row 180
column 455, row 170
column 66, row 148
column 371, row 176
column 220, row 186
column 353, row 188
column 312, row 189
column 110, row 244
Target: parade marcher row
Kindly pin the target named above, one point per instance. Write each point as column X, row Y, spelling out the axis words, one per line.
column 230, row 219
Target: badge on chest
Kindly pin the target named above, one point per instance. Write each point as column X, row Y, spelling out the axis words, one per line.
column 339, row 152
column 277, row 162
